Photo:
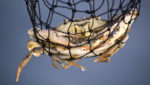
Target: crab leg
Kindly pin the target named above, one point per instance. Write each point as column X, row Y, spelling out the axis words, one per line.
column 82, row 68
column 106, row 56
column 25, row 61
column 55, row 58
column 53, row 62
column 70, row 63
column 67, row 61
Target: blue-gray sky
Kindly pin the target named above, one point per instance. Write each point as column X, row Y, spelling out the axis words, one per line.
column 130, row 66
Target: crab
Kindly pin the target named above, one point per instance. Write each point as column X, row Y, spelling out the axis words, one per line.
column 80, row 29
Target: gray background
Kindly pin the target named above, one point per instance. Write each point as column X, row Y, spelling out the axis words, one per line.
column 130, row 66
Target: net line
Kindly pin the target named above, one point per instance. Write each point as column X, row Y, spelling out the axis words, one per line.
column 34, row 8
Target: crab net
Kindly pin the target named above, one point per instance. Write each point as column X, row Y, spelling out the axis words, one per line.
column 49, row 14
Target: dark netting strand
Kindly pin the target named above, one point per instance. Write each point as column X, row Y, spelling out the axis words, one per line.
column 48, row 14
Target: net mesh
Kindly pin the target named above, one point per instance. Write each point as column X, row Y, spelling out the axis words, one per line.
column 48, row 14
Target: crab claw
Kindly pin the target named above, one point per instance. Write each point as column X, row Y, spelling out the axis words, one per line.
column 25, row 61
column 22, row 64
column 33, row 44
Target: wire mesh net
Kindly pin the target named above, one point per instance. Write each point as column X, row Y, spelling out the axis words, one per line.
column 51, row 14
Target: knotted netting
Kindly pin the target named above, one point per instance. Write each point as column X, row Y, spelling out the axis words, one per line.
column 50, row 14
column 69, row 30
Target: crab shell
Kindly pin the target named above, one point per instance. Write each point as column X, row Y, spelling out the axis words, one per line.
column 82, row 26
column 78, row 29
column 58, row 37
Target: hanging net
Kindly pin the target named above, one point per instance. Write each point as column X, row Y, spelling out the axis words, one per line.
column 75, row 29
column 70, row 30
